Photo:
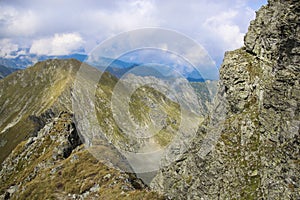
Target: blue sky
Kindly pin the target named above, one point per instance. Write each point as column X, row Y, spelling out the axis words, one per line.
column 61, row 27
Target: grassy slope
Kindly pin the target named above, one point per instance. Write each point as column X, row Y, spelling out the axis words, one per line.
column 139, row 109
column 46, row 85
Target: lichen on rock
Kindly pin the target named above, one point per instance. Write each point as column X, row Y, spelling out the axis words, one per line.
column 256, row 153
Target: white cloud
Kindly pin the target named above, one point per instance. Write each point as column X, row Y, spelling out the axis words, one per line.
column 35, row 18
column 218, row 26
column 17, row 22
column 138, row 13
column 211, row 23
column 7, row 48
column 100, row 24
column 223, row 26
column 59, row 44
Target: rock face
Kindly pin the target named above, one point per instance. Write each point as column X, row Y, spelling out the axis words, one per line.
column 249, row 147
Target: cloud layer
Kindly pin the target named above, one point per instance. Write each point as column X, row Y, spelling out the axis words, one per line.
column 60, row 27
column 60, row 44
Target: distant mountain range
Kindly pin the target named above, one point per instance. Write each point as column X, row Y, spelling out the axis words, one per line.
column 5, row 71
column 25, row 60
column 116, row 67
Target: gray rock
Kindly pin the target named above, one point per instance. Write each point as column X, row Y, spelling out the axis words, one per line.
column 249, row 150
column 12, row 189
column 107, row 176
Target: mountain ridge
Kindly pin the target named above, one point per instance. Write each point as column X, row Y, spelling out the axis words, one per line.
column 40, row 143
column 44, row 91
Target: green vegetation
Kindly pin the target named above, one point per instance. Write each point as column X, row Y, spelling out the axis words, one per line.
column 140, row 107
column 32, row 92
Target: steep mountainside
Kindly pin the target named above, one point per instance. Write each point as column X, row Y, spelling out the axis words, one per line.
column 137, row 116
column 40, row 143
column 249, row 147
column 48, row 159
column 30, row 97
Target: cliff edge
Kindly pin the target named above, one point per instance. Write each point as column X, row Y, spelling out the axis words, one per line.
column 248, row 148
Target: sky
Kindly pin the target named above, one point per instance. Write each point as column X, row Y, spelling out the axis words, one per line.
column 56, row 27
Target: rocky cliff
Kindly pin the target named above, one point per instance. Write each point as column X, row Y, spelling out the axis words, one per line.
column 249, row 147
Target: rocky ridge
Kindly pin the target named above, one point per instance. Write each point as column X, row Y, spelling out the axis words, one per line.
column 29, row 98
column 254, row 154
column 55, row 165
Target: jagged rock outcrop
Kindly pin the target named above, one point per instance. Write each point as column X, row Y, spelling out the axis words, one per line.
column 55, row 165
column 254, row 151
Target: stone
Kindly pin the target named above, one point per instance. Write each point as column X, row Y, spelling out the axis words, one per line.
column 12, row 189
column 107, row 176
column 249, row 147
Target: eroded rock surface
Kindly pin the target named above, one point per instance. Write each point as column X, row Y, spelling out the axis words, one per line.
column 255, row 152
